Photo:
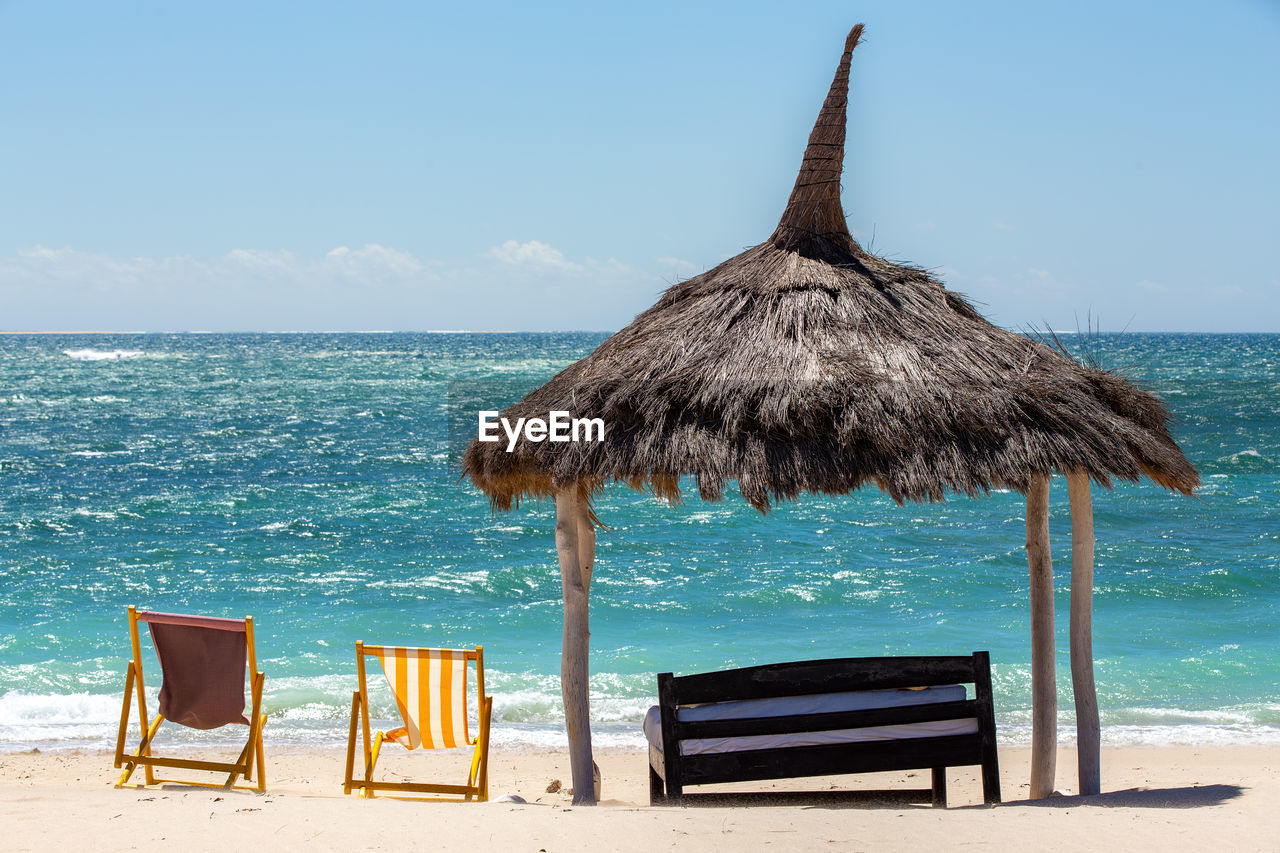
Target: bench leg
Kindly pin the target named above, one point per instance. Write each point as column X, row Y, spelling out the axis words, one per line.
column 939, row 787
column 991, row 780
column 657, row 795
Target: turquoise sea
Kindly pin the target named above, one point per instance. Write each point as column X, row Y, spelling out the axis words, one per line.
column 312, row 481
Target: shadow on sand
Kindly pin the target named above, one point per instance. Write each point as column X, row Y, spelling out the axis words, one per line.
column 1193, row 797
column 1197, row 796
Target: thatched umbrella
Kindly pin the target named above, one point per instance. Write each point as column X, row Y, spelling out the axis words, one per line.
column 807, row 364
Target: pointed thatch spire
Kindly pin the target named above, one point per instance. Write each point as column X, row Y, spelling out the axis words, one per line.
column 814, row 216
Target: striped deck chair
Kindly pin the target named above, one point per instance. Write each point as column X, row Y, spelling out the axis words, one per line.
column 430, row 690
column 203, row 661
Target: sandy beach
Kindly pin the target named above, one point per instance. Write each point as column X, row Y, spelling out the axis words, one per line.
column 1171, row 798
column 860, row 403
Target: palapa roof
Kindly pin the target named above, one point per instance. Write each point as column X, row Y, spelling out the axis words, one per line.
column 807, row 364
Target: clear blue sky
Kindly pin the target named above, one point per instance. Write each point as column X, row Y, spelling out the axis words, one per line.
column 246, row 166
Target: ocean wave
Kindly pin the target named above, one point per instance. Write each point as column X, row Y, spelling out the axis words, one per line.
column 1206, row 734
column 101, row 515
column 314, row 711
column 28, row 719
column 1249, row 459
column 101, row 355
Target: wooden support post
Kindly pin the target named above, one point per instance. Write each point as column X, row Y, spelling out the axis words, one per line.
column 587, row 564
column 1044, row 689
column 586, row 549
column 1088, row 729
column 570, row 515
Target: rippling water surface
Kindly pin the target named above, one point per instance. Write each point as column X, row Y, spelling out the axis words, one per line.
column 312, row 481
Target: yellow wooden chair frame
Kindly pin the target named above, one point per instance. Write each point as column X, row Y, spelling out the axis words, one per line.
column 477, row 786
column 142, row 756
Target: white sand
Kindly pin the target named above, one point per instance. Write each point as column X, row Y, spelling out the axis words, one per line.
column 1155, row 799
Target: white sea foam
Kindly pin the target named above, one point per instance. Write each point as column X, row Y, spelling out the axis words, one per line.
column 101, row 355
column 28, row 719
column 1245, row 457
column 314, row 711
column 97, row 515
column 1222, row 734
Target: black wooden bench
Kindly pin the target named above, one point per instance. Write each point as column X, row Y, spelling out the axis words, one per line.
column 670, row 771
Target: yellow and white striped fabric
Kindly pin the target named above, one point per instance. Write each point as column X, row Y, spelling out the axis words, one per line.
column 430, row 686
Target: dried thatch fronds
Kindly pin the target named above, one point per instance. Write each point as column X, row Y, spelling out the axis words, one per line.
column 806, row 364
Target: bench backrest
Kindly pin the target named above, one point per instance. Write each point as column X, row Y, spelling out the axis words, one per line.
column 825, row 676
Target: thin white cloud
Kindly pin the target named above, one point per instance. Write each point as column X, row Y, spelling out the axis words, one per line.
column 374, row 286
column 679, row 267
column 241, row 289
column 372, row 264
column 373, row 260
column 277, row 263
column 1046, row 286
column 609, row 266
column 1228, row 290
column 40, row 254
column 541, row 259
column 74, row 270
column 533, row 254
column 1153, row 286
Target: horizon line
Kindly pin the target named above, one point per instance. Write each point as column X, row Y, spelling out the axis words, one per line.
column 138, row 332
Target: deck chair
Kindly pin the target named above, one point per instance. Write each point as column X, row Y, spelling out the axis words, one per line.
column 430, row 689
column 203, row 661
